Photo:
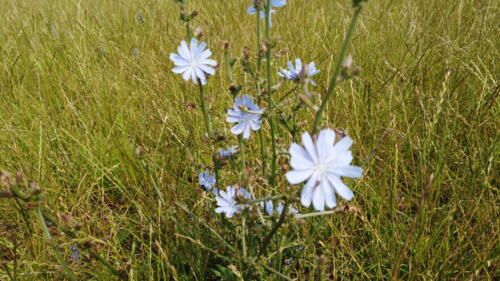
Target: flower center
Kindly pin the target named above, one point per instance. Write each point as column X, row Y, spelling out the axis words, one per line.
column 321, row 168
column 194, row 63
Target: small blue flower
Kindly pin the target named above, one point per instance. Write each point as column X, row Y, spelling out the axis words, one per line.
column 262, row 13
column 135, row 51
column 247, row 114
column 140, row 17
column 230, row 151
column 291, row 210
column 268, row 206
column 293, row 73
column 75, row 254
column 206, row 180
column 279, row 209
column 228, row 200
column 193, row 61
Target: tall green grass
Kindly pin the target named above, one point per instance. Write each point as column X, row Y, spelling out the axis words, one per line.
column 76, row 103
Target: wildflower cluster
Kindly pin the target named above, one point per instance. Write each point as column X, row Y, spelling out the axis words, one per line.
column 319, row 163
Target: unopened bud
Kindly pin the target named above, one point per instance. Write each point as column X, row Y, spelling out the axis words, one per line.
column 307, row 101
column 300, row 221
column 263, row 48
column 19, row 177
column 356, row 71
column 53, row 230
column 225, row 45
column 246, row 53
column 357, row 3
column 194, row 14
column 198, row 33
column 6, row 179
column 283, row 51
column 322, row 259
column 190, row 106
column 304, row 72
column 139, row 151
column 234, row 89
column 35, row 188
column 347, row 62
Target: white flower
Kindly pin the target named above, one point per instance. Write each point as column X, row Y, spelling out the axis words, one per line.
column 207, row 180
column 322, row 164
column 193, row 62
column 230, row 151
column 293, row 72
column 227, row 201
column 247, row 114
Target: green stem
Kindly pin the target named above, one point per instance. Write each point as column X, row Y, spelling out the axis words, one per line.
column 243, row 155
column 265, row 199
column 94, row 254
column 338, row 68
column 208, row 126
column 153, row 182
column 259, row 90
column 229, row 68
column 244, row 242
column 18, row 193
column 272, row 179
column 6, row 194
column 207, row 226
column 50, row 242
column 259, row 42
column 281, row 221
column 188, row 32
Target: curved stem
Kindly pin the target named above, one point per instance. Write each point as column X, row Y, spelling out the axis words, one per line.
column 50, row 242
column 208, row 126
column 338, row 68
column 272, row 179
column 281, row 221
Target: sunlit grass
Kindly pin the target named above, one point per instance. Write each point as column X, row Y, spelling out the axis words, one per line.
column 77, row 101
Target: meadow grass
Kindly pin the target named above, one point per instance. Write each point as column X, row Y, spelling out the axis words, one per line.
column 84, row 84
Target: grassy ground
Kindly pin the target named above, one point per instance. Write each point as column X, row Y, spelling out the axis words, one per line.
column 77, row 100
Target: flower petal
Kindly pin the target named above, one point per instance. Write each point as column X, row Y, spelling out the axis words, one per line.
column 178, row 60
column 309, row 145
column 348, row 171
column 344, row 144
column 180, row 69
column 298, row 176
column 246, row 131
column 251, row 10
column 187, row 74
column 207, row 69
column 329, row 192
column 300, row 159
column 307, row 192
column 319, row 199
column 184, row 51
column 341, row 188
column 324, row 144
column 210, row 62
column 238, row 129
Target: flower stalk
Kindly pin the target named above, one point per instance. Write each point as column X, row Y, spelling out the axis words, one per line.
column 206, row 117
column 272, row 179
column 338, row 69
